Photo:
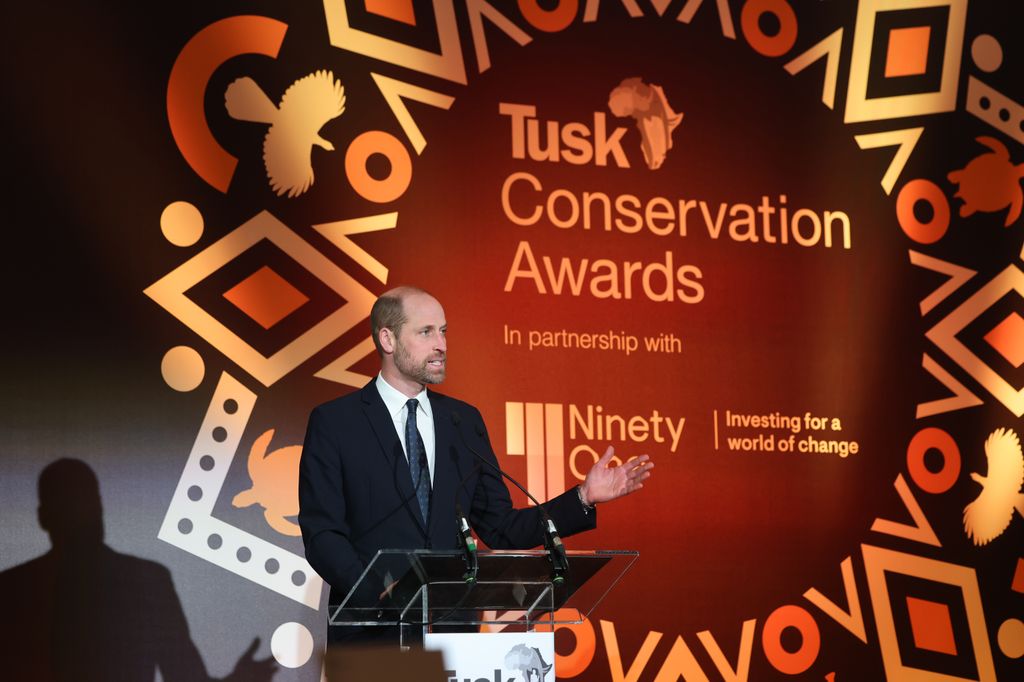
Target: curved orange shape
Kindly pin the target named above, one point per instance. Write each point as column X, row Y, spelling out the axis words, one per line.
column 549, row 20
column 932, row 438
column 378, row 142
column 927, row 191
column 186, row 88
column 574, row 663
column 769, row 46
column 791, row 662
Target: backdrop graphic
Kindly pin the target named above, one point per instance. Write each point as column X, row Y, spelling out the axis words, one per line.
column 775, row 245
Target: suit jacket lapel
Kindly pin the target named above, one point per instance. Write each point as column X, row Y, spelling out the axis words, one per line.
column 391, row 447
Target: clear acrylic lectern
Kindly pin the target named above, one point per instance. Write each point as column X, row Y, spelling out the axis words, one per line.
column 423, row 589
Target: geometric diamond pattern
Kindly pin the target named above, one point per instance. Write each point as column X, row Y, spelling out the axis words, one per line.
column 170, row 293
column 266, row 297
column 931, row 625
column 399, row 10
column 449, row 64
column 860, row 105
column 944, row 335
column 879, row 565
column 907, row 54
column 1008, row 338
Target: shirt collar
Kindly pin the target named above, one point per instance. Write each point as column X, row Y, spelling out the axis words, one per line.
column 395, row 401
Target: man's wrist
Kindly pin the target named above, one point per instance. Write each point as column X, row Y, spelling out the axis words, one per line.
column 587, row 507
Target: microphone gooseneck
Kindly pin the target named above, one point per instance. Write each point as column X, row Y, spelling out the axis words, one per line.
column 552, row 540
column 463, row 532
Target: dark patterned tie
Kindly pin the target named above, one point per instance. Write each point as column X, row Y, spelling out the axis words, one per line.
column 417, row 460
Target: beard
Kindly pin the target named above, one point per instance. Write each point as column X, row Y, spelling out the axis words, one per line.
column 420, row 372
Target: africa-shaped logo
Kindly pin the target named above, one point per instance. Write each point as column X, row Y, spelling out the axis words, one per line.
column 295, row 125
column 990, row 514
column 528, row 662
column 654, row 117
column 275, row 484
column 990, row 182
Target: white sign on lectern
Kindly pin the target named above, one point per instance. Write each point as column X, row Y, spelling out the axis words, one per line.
column 496, row 656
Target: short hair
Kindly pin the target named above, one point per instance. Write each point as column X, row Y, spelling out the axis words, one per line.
column 388, row 311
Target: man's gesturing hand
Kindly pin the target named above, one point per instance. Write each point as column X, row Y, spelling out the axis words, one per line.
column 605, row 482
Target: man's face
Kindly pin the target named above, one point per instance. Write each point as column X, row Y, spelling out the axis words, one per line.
column 420, row 347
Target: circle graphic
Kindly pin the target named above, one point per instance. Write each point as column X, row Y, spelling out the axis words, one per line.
column 182, row 369
column 549, row 20
column 769, row 43
column 181, row 223
column 292, row 645
column 791, row 618
column 987, row 53
column 933, row 439
column 914, row 196
column 1011, row 638
column 371, row 143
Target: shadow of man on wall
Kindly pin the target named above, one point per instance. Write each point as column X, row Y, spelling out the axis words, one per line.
column 85, row 612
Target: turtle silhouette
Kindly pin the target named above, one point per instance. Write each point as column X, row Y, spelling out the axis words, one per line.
column 275, row 484
column 990, row 182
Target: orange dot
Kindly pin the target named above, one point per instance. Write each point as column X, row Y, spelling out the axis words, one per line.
column 987, row 53
column 181, row 223
column 182, row 369
column 378, row 142
column 550, row 21
column 770, row 46
column 1011, row 638
column 928, row 192
column 791, row 663
column 933, row 439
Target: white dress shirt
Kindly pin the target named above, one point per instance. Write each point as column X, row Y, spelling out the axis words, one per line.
column 395, row 402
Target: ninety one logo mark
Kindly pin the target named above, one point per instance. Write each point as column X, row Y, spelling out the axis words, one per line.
column 537, row 431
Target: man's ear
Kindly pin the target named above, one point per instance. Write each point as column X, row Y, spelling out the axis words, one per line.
column 387, row 340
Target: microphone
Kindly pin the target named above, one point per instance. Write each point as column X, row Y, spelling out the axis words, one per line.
column 552, row 541
column 462, row 530
column 468, row 544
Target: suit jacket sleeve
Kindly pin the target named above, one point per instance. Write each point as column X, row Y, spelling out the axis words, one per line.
column 502, row 526
column 322, row 511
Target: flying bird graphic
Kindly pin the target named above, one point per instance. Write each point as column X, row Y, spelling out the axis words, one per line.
column 295, row 124
column 988, row 516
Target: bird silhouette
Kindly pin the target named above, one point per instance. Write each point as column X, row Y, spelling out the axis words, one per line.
column 988, row 516
column 295, row 124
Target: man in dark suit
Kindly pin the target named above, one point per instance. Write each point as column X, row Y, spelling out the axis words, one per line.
column 383, row 467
